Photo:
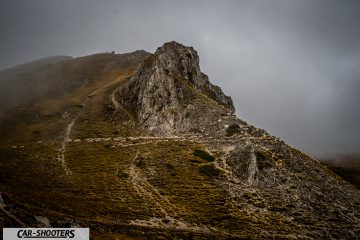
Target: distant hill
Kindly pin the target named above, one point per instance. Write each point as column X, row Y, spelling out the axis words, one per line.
column 27, row 81
column 346, row 166
column 53, row 76
column 27, row 67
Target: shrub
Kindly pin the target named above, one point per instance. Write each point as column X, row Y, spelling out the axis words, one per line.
column 36, row 132
column 78, row 106
column 195, row 130
column 209, row 170
column 263, row 160
column 232, row 129
column 196, row 161
column 171, row 169
column 140, row 163
column 122, row 174
column 204, row 155
column 109, row 109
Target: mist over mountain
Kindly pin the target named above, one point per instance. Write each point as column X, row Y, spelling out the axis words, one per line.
column 291, row 67
column 51, row 77
column 26, row 82
column 144, row 146
column 27, row 67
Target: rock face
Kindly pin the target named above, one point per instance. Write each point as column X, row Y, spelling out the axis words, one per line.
column 169, row 92
column 171, row 96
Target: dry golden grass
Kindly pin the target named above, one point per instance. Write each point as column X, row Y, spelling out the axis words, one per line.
column 115, row 186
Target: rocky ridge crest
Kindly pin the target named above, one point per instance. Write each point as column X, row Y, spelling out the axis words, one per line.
column 170, row 94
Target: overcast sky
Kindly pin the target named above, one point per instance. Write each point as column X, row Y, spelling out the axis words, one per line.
column 291, row 66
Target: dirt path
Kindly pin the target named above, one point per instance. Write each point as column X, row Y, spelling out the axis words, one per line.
column 117, row 104
column 69, row 127
column 147, row 191
column 61, row 156
column 152, row 195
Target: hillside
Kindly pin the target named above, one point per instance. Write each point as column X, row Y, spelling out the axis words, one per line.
column 143, row 146
column 23, row 82
column 345, row 165
column 33, row 65
column 56, row 76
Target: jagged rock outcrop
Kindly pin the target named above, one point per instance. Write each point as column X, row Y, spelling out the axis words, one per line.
column 170, row 94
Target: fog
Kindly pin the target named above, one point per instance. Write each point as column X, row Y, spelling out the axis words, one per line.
column 292, row 67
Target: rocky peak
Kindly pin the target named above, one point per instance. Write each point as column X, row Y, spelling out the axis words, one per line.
column 183, row 63
column 169, row 90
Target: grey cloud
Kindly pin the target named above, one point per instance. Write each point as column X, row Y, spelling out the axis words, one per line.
column 291, row 66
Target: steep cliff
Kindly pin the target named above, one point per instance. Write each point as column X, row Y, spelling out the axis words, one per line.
column 171, row 95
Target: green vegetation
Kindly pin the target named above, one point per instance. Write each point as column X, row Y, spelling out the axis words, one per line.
column 140, row 163
column 196, row 161
column 204, row 155
column 78, row 106
column 264, row 161
column 109, row 109
column 171, row 169
column 209, row 170
column 232, row 130
column 108, row 145
column 36, row 132
column 122, row 174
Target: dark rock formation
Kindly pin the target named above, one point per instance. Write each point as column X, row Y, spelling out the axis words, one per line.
column 171, row 95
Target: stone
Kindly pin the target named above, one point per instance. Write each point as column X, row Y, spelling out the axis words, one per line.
column 170, row 94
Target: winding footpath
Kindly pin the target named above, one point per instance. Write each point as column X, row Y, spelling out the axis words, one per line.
column 69, row 127
column 152, row 196
column 117, row 105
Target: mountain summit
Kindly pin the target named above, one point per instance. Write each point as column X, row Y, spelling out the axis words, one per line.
column 171, row 94
column 143, row 146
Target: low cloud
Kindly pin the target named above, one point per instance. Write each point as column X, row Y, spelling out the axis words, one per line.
column 292, row 67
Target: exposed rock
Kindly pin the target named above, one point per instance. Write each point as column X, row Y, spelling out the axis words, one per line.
column 171, row 95
column 43, row 221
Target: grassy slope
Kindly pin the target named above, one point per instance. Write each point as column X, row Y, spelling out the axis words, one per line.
column 129, row 188
column 116, row 183
column 31, row 133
